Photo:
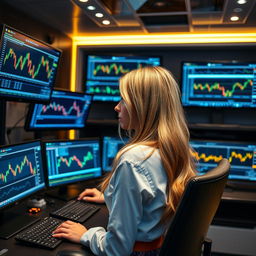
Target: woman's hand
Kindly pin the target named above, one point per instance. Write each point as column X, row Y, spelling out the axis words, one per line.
column 70, row 230
column 92, row 195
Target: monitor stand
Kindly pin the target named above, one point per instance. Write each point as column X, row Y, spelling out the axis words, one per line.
column 2, row 121
column 65, row 193
column 11, row 223
column 217, row 116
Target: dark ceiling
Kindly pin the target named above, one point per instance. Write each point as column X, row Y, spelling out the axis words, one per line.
column 73, row 17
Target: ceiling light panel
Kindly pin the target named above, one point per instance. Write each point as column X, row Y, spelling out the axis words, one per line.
column 206, row 6
column 241, row 1
column 159, row 6
column 234, row 18
column 97, row 12
column 235, row 8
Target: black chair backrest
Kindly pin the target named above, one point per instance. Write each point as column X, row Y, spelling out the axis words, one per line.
column 194, row 214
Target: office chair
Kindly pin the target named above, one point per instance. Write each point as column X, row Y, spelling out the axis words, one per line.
column 186, row 235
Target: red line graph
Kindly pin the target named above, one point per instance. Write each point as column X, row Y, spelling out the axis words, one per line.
column 60, row 108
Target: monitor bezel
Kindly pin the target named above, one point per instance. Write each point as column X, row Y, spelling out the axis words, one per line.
column 234, row 62
column 32, row 107
column 110, row 54
column 19, row 98
column 43, row 171
column 68, row 140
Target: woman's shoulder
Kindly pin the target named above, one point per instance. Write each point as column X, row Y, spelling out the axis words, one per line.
column 138, row 153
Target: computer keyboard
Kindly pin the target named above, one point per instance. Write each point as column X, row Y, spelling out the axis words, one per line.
column 75, row 210
column 40, row 233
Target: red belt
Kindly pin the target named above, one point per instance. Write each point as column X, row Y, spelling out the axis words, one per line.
column 140, row 246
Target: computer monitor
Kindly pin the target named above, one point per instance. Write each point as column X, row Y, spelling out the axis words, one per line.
column 242, row 157
column 71, row 161
column 111, row 145
column 219, row 84
column 21, row 176
column 28, row 67
column 66, row 110
column 103, row 73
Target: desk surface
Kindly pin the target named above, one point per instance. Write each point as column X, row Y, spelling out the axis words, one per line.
column 98, row 219
column 239, row 196
column 15, row 248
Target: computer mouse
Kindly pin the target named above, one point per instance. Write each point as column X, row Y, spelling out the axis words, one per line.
column 71, row 253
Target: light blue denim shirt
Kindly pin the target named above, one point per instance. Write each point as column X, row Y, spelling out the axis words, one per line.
column 135, row 198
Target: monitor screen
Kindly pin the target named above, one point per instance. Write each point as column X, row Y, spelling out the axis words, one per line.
column 66, row 110
column 216, row 84
column 72, row 161
column 21, row 171
column 27, row 67
column 103, row 73
column 111, row 145
column 242, row 157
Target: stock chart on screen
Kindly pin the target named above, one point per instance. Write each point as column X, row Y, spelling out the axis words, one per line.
column 103, row 73
column 219, row 84
column 242, row 157
column 28, row 67
column 66, row 110
column 21, row 171
column 71, row 161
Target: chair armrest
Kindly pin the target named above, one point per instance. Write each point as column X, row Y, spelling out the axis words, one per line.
column 207, row 247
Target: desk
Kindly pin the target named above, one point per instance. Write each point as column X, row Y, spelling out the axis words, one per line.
column 100, row 218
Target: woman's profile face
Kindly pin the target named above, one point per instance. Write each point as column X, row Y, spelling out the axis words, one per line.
column 123, row 116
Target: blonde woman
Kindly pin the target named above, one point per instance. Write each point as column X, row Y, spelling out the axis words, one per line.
column 149, row 173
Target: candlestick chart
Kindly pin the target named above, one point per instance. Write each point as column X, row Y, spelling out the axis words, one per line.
column 104, row 90
column 21, row 171
column 22, row 167
column 28, row 67
column 103, row 73
column 224, row 88
column 65, row 110
column 241, row 157
column 114, row 70
column 76, row 160
column 72, row 108
column 214, row 155
column 219, row 85
column 72, row 161
column 27, row 63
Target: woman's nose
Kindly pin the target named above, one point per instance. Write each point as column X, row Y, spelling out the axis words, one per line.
column 117, row 107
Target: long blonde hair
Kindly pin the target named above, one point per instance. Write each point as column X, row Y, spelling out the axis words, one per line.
column 152, row 98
